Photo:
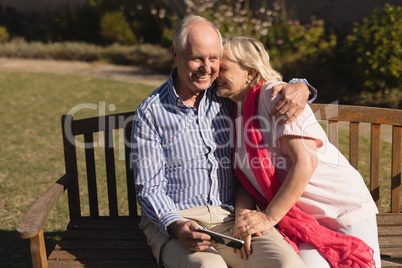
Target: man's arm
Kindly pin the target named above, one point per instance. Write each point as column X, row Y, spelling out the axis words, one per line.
column 293, row 99
column 148, row 166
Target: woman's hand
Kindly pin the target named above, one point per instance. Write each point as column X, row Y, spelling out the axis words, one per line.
column 252, row 222
column 249, row 223
column 292, row 102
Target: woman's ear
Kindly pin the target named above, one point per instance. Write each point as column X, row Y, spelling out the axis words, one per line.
column 251, row 73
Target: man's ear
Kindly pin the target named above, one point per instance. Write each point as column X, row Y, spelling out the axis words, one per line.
column 174, row 54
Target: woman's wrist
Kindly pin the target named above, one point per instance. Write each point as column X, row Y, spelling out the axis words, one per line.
column 271, row 220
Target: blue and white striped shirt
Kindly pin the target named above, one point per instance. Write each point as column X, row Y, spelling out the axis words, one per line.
column 181, row 156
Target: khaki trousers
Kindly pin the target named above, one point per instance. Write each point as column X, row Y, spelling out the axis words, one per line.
column 269, row 250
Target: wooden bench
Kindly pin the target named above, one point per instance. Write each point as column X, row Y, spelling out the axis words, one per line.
column 114, row 240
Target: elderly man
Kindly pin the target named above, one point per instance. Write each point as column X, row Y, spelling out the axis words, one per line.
column 182, row 160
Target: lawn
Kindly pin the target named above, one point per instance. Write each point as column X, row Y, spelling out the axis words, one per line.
column 32, row 155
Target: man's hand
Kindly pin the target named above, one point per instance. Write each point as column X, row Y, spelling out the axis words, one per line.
column 192, row 240
column 292, row 102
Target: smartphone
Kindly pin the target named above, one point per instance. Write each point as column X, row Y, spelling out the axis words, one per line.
column 223, row 239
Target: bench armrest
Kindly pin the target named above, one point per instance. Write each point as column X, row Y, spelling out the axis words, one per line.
column 32, row 222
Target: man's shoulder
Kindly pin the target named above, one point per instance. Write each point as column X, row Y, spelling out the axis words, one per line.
column 155, row 98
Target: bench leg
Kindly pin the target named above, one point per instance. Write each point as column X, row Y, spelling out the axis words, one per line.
column 38, row 251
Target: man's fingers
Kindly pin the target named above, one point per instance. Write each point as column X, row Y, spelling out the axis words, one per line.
column 278, row 108
column 276, row 89
column 200, row 245
column 247, row 245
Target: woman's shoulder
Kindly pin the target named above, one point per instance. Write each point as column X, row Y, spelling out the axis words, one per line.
column 265, row 95
column 270, row 84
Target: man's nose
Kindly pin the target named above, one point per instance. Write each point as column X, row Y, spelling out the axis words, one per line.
column 207, row 66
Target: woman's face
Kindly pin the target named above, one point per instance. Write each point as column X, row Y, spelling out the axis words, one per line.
column 232, row 80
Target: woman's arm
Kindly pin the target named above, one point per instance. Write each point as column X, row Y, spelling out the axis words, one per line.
column 303, row 153
column 243, row 200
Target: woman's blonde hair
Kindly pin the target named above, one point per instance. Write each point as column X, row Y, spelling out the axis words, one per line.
column 250, row 53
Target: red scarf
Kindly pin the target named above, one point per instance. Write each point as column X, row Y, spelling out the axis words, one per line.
column 340, row 250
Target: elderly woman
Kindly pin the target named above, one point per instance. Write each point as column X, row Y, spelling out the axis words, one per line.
column 302, row 183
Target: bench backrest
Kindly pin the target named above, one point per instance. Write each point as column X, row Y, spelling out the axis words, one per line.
column 375, row 117
column 106, row 128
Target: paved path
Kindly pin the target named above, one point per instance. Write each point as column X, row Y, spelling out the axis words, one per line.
column 101, row 70
column 121, row 73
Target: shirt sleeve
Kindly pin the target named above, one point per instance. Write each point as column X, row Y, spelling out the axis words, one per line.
column 313, row 91
column 148, row 163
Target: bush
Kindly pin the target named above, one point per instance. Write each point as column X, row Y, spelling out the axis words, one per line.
column 74, row 23
column 146, row 55
column 4, row 36
column 374, row 50
column 152, row 56
column 231, row 17
column 306, row 39
column 114, row 27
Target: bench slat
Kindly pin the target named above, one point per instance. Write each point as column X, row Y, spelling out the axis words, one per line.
column 120, row 223
column 91, row 175
column 391, row 263
column 132, row 198
column 390, row 242
column 111, row 172
column 390, row 230
column 109, row 234
column 140, row 254
column 375, row 163
column 389, row 219
column 110, row 244
column 354, row 144
column 333, row 132
column 396, row 169
column 357, row 114
column 103, row 264
column 70, row 158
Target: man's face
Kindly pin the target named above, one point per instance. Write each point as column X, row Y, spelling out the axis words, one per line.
column 198, row 65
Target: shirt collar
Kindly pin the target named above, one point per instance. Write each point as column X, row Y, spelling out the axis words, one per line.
column 175, row 98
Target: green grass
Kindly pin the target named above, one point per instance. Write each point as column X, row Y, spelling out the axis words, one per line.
column 31, row 155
